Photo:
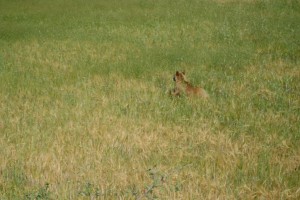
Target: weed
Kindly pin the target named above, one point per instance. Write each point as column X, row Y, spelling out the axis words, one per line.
column 42, row 193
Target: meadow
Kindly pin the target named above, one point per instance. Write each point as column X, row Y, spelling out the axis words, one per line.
column 85, row 111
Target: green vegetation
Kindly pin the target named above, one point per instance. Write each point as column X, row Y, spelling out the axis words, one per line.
column 84, row 110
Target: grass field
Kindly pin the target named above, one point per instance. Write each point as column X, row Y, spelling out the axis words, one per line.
column 84, row 110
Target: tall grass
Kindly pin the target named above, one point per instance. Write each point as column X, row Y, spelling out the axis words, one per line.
column 85, row 111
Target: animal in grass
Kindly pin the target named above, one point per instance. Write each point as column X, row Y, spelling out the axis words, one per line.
column 184, row 87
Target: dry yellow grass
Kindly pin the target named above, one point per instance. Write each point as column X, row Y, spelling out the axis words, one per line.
column 114, row 152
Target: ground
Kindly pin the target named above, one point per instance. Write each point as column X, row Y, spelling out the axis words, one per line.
column 85, row 111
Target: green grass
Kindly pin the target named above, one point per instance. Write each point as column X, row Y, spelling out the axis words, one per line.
column 84, row 110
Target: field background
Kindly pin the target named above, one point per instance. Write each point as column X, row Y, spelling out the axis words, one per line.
column 84, row 110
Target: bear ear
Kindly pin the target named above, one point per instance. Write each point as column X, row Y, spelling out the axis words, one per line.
column 177, row 73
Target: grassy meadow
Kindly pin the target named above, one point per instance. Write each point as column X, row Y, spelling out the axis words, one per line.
column 85, row 111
